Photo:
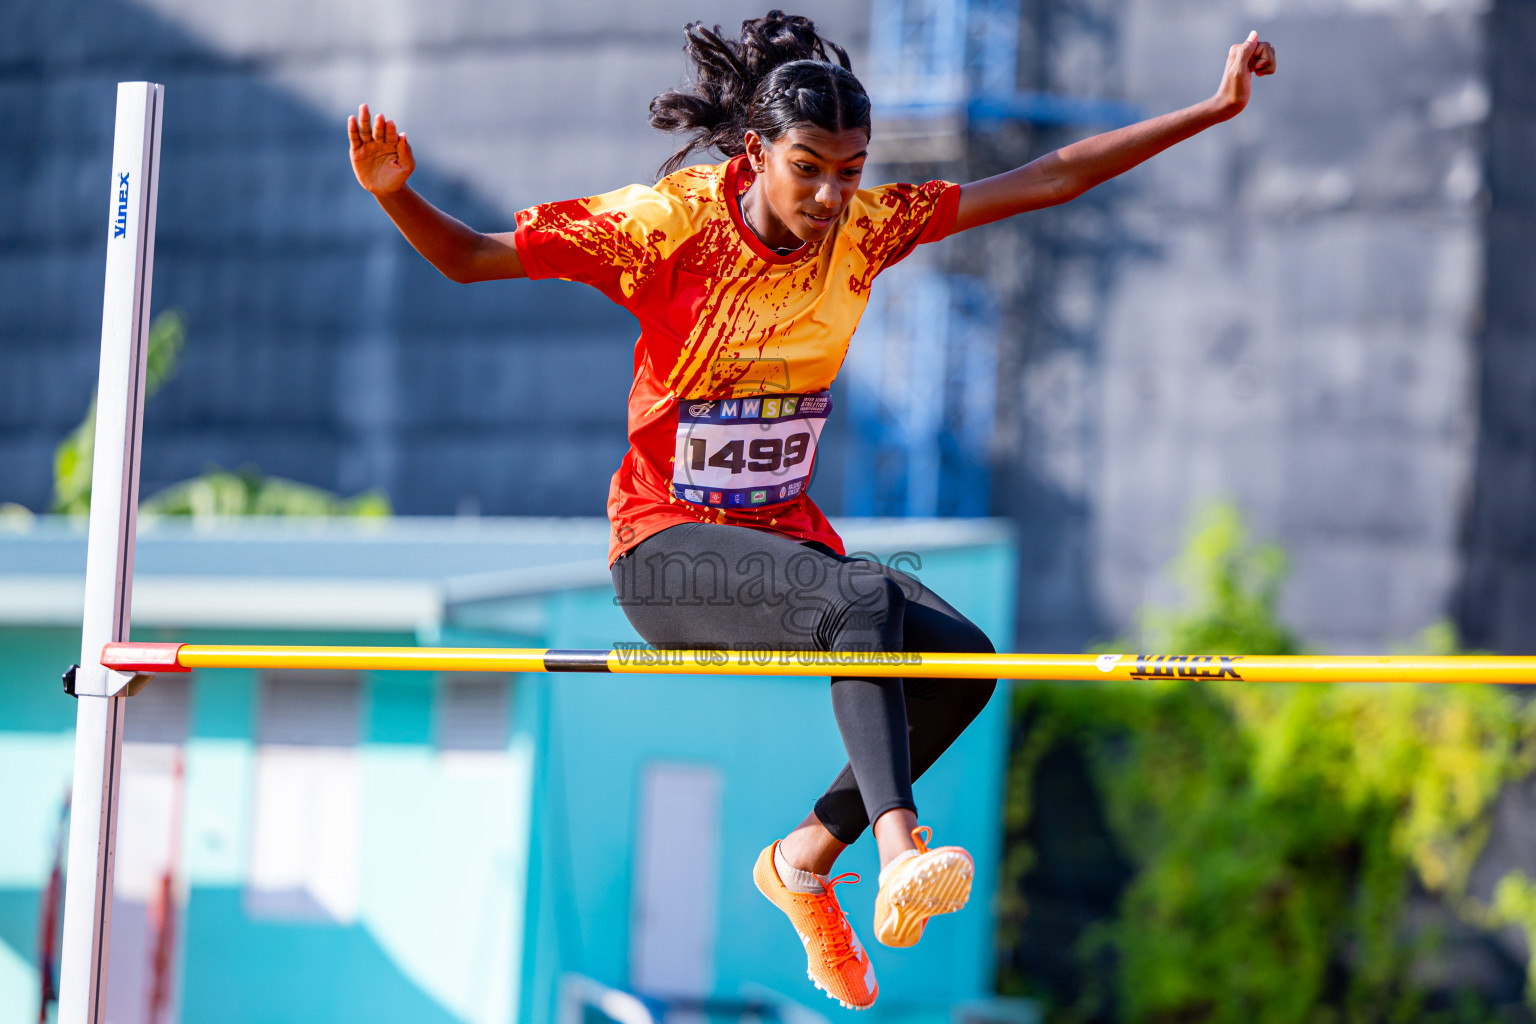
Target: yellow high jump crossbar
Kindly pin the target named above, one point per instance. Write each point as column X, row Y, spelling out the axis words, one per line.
column 149, row 658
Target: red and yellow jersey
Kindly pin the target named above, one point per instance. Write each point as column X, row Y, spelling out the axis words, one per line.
column 727, row 327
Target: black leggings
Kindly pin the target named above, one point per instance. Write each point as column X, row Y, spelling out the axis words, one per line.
column 710, row 586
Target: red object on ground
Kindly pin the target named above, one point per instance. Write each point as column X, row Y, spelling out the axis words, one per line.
column 135, row 657
column 48, row 921
column 162, row 915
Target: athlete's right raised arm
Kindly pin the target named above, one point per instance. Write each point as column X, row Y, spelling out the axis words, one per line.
column 382, row 161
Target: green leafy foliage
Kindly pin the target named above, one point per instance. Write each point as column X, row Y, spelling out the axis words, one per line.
column 217, row 492
column 1233, row 593
column 1275, row 832
column 73, row 457
column 247, row 493
column 1514, row 903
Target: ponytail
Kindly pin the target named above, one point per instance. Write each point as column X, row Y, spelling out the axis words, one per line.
column 775, row 77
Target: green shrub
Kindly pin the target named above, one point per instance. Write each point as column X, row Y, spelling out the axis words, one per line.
column 73, row 457
column 247, row 493
column 1275, row 832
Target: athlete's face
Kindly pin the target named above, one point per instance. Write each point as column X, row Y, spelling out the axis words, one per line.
column 807, row 177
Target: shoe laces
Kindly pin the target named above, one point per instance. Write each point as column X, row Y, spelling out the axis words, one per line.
column 832, row 924
column 922, row 840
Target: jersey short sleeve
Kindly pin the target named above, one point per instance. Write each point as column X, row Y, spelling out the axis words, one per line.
column 611, row 241
column 897, row 218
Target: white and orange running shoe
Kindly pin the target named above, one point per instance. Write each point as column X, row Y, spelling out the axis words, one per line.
column 835, row 959
column 919, row 887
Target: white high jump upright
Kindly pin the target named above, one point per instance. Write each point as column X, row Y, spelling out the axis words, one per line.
column 109, row 562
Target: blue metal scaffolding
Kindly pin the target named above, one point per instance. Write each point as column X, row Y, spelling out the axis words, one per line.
column 937, row 58
column 921, row 387
column 921, row 377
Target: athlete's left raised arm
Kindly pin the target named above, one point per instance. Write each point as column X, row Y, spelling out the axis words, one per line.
column 1072, row 170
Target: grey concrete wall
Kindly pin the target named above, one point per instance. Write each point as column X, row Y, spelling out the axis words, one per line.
column 320, row 346
column 1294, row 322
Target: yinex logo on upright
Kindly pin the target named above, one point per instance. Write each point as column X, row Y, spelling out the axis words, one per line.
column 120, row 225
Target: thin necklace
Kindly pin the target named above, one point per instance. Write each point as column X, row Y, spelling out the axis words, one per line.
column 742, row 206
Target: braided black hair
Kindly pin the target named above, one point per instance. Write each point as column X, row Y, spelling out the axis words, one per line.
column 776, row 76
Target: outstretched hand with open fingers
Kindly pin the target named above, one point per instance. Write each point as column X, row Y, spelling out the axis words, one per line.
column 381, row 154
column 1250, row 57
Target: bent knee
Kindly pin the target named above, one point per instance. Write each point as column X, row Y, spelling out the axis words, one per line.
column 967, row 638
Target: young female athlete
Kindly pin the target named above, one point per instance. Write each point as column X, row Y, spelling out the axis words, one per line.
column 748, row 278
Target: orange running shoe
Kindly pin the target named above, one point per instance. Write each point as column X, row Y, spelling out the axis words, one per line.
column 933, row 882
column 835, row 960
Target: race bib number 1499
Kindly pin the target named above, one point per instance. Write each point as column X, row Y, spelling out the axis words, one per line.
column 741, row 453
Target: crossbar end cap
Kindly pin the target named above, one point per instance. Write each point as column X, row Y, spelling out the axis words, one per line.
column 143, row 657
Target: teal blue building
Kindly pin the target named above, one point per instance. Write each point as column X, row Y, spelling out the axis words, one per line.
column 419, row 847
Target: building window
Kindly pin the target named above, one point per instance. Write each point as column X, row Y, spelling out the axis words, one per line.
column 307, row 827
column 474, row 712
